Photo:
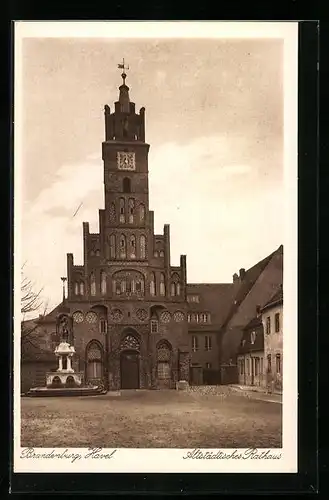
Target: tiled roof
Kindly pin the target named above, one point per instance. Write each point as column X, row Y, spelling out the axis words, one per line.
column 215, row 298
column 247, row 283
column 277, row 298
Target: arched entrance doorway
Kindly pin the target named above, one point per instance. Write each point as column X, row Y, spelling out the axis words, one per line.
column 129, row 362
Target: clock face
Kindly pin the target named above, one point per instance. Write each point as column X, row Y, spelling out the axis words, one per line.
column 126, row 161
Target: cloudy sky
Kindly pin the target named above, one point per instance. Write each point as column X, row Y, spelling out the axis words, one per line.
column 214, row 119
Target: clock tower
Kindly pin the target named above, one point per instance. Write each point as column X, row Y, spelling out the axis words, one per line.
column 127, row 302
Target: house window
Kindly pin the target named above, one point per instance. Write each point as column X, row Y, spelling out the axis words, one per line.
column 156, row 254
column 241, row 367
column 103, row 326
column 172, row 289
column 122, row 247
column 277, row 322
column 252, row 337
column 82, row 288
column 103, row 283
column 76, row 288
column 112, row 246
column 161, row 253
column 132, row 247
column 92, row 284
column 152, row 284
column 208, row 366
column 122, row 210
column 193, row 298
column 141, row 212
column 278, row 363
column 162, row 285
column 194, row 343
column 268, row 325
column 126, row 185
column 256, row 367
column 142, row 247
column 189, row 318
column 131, row 205
column 269, row 364
column 122, row 286
column 117, row 287
column 178, row 288
column 154, row 326
column 207, row 343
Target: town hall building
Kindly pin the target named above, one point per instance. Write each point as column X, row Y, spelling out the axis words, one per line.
column 133, row 318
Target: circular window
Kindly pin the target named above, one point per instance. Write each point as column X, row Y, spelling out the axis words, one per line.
column 178, row 316
column 165, row 317
column 141, row 314
column 78, row 317
column 116, row 315
column 91, row 317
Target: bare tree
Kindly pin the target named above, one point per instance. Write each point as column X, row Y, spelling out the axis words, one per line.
column 31, row 301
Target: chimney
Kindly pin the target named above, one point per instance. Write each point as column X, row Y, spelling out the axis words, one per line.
column 242, row 273
column 235, row 278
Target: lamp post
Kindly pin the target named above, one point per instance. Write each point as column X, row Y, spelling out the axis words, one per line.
column 64, row 279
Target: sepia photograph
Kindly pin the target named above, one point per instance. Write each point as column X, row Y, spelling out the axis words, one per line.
column 155, row 233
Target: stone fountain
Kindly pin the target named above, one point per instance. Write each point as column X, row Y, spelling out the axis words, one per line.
column 65, row 381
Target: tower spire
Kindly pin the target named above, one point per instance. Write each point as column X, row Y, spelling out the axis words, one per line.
column 124, row 68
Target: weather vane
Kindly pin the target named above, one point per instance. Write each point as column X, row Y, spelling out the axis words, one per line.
column 124, row 68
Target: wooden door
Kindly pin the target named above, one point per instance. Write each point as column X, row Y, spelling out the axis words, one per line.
column 129, row 368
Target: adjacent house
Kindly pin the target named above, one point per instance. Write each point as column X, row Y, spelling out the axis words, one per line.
column 272, row 320
column 255, row 287
column 250, row 359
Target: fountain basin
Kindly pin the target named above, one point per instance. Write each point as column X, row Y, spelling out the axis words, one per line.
column 65, row 391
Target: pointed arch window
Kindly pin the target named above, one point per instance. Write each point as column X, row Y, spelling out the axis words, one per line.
column 132, row 246
column 122, row 247
column 82, row 288
column 178, row 288
column 94, row 360
column 142, row 247
column 76, row 288
column 152, row 284
column 103, row 283
column 112, row 246
column 142, row 212
column 126, row 185
column 131, row 206
column 162, row 285
column 173, row 289
column 122, row 210
column 123, row 286
column 92, row 284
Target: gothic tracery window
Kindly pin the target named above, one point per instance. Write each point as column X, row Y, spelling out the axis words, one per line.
column 122, row 211
column 112, row 246
column 162, row 285
column 142, row 247
column 141, row 212
column 92, row 284
column 122, row 247
column 152, row 284
column 103, row 283
column 94, row 360
column 82, row 288
column 131, row 206
column 132, row 247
